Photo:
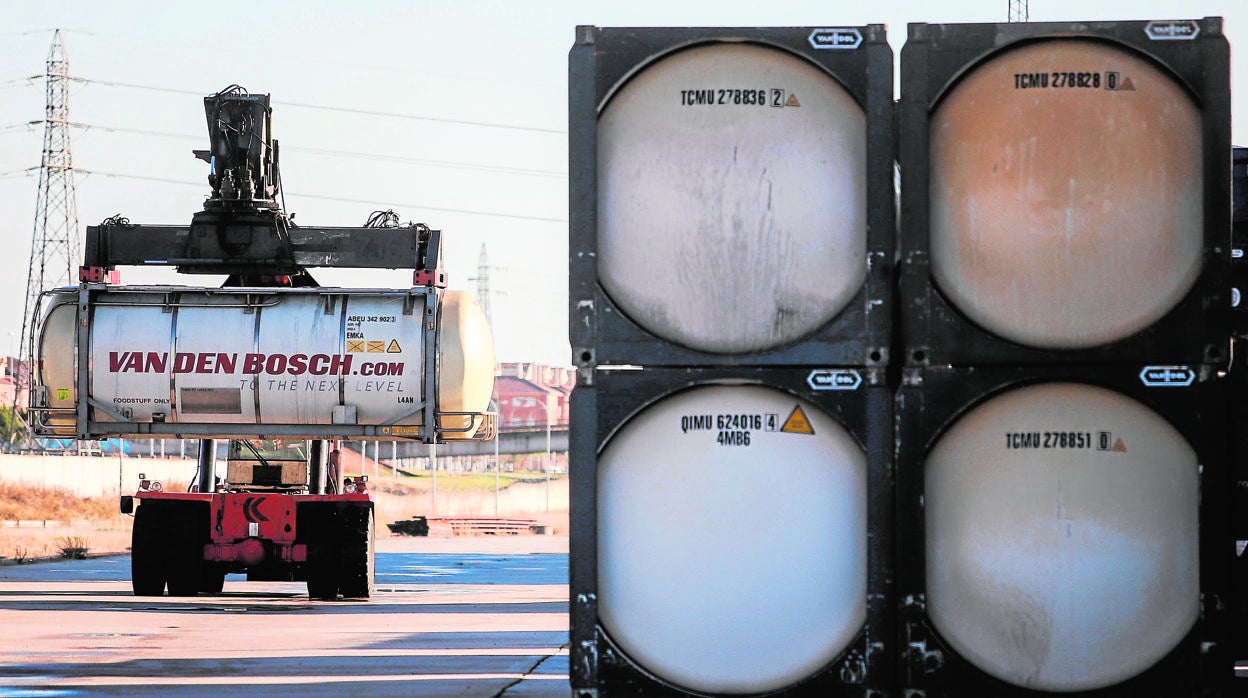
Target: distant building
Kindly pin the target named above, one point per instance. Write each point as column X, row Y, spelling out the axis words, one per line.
column 11, row 370
column 526, row 393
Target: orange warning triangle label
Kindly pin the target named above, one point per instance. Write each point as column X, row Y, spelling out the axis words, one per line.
column 393, row 348
column 792, row 101
column 797, row 423
column 1119, row 447
column 1127, row 85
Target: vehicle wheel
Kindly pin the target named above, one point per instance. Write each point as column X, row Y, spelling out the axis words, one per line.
column 321, row 569
column 322, row 582
column 211, row 579
column 184, row 550
column 147, row 574
column 358, row 554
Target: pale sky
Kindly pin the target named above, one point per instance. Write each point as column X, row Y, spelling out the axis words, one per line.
column 464, row 127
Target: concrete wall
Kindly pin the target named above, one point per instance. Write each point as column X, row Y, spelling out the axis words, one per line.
column 88, row 476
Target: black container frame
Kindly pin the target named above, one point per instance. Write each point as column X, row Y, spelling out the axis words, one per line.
column 933, row 60
column 1239, row 240
column 601, row 406
column 932, row 399
column 1237, row 409
column 600, row 63
column 1238, row 406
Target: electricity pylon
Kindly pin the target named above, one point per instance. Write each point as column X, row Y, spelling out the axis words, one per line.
column 483, row 284
column 1018, row 10
column 55, row 253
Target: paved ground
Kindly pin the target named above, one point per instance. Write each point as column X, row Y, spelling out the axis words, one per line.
column 452, row 617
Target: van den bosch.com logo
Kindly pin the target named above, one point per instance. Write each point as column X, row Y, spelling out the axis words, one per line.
column 249, row 364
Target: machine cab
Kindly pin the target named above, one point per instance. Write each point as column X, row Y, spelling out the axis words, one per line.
column 277, row 464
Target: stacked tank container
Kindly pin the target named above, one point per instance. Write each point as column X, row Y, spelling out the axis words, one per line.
column 989, row 459
column 732, row 247
column 1062, row 460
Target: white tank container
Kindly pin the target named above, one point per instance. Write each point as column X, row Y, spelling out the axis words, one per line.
column 732, row 553
column 732, row 198
column 264, row 356
column 1062, row 537
column 1066, row 194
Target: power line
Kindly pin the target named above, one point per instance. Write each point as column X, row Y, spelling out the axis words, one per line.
column 380, row 157
column 19, row 81
column 372, row 202
column 28, row 32
column 341, row 199
column 303, row 60
column 344, row 110
column 143, row 178
column 396, row 115
column 150, row 88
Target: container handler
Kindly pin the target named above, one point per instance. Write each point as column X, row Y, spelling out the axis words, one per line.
column 271, row 361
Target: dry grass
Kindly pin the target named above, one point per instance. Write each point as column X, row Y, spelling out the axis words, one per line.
column 97, row 536
column 54, row 518
column 19, row 502
column 41, row 521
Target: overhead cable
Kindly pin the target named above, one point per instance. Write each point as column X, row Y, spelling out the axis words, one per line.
column 343, row 199
column 325, row 107
column 381, row 157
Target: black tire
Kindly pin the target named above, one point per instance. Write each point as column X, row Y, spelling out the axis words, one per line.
column 322, row 582
column 317, row 528
column 211, row 579
column 358, row 553
column 184, row 550
column 147, row 571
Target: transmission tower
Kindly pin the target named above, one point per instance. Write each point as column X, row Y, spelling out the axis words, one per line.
column 483, row 284
column 55, row 253
column 1018, row 10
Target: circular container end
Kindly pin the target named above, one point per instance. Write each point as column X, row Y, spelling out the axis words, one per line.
column 732, row 539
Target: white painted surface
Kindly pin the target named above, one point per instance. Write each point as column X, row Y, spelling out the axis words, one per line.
column 731, row 227
column 731, row 569
column 1062, row 569
column 1066, row 217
